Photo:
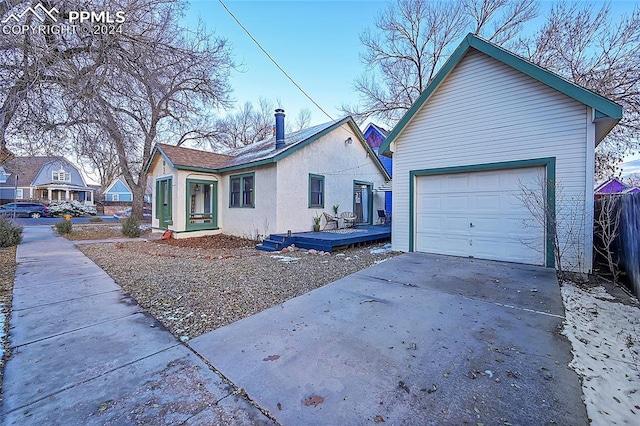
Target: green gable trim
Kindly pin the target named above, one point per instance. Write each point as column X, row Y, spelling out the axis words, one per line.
column 309, row 141
column 284, row 153
column 549, row 163
column 603, row 106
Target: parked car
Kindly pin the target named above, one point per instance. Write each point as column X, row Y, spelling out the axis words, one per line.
column 34, row 210
column 123, row 214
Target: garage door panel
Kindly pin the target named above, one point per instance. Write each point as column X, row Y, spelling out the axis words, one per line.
column 457, row 203
column 487, row 202
column 431, row 203
column 457, row 183
column 455, row 244
column 503, row 228
column 457, row 224
column 487, row 180
column 431, row 223
column 437, row 185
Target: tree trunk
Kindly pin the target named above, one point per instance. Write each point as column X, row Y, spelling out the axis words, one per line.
column 138, row 197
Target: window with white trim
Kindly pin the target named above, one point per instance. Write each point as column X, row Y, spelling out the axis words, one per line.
column 61, row 176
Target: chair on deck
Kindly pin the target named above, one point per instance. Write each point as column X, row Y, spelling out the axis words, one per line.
column 384, row 218
column 349, row 219
column 329, row 219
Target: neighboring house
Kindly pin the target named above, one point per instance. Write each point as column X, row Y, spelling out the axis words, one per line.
column 118, row 190
column 45, row 179
column 275, row 185
column 490, row 129
column 375, row 136
column 614, row 186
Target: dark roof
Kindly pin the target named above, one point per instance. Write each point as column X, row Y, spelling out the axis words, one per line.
column 607, row 113
column 27, row 168
column 256, row 154
column 181, row 157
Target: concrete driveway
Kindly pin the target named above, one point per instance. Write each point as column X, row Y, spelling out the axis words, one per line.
column 418, row 339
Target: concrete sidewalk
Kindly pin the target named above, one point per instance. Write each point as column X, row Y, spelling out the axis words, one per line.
column 83, row 352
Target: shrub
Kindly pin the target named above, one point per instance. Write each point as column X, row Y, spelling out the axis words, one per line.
column 64, row 227
column 95, row 219
column 131, row 227
column 10, row 235
column 74, row 208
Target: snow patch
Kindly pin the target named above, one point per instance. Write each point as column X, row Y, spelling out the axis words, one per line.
column 285, row 259
column 605, row 339
column 381, row 250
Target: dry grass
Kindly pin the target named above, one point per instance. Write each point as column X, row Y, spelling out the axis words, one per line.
column 98, row 231
column 196, row 285
column 8, row 267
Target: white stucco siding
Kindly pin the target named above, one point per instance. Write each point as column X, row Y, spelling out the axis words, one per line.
column 178, row 198
column 487, row 112
column 340, row 163
column 250, row 222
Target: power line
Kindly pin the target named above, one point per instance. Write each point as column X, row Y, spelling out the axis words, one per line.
column 274, row 61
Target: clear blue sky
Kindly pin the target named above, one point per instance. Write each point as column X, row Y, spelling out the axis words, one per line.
column 316, row 42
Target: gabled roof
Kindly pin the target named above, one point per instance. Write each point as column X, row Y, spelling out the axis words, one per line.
column 256, row 154
column 612, row 186
column 28, row 168
column 190, row 159
column 120, row 179
column 607, row 113
column 381, row 131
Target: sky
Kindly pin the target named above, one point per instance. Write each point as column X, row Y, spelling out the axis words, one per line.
column 316, row 42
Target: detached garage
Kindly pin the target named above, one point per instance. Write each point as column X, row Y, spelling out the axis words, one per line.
column 491, row 136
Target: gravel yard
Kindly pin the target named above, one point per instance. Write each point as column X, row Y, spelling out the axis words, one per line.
column 196, row 285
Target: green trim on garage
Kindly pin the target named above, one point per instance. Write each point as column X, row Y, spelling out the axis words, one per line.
column 549, row 164
column 605, row 109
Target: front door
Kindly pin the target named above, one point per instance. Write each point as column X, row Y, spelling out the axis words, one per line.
column 363, row 202
column 163, row 202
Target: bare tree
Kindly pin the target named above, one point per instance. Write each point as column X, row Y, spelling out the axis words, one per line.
column 564, row 220
column 246, row 126
column 607, row 222
column 595, row 50
column 96, row 154
column 147, row 82
column 138, row 102
column 302, row 121
column 249, row 125
column 413, row 38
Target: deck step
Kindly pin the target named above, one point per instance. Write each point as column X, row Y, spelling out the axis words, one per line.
column 271, row 245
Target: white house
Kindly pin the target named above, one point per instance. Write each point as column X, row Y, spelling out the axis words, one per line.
column 490, row 134
column 276, row 185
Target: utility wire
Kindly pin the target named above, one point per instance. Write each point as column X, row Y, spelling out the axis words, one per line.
column 274, row 61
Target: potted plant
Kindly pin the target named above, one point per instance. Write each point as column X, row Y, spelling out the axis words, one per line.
column 335, row 209
column 316, row 222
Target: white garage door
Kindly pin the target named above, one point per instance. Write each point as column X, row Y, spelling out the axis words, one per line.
column 480, row 214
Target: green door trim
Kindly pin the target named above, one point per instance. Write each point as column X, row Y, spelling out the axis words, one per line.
column 549, row 163
column 165, row 217
column 213, row 225
column 369, row 220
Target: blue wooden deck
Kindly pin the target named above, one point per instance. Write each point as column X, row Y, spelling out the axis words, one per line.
column 328, row 240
